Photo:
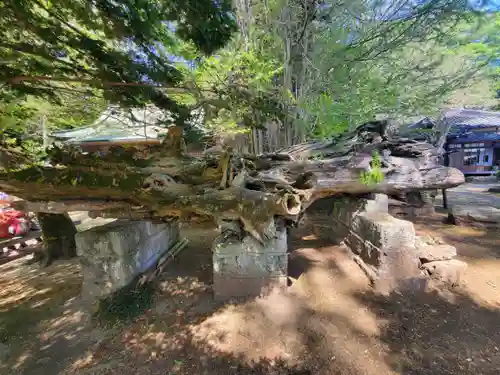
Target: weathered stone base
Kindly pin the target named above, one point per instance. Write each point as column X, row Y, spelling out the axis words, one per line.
column 247, row 268
column 388, row 250
column 113, row 255
column 346, row 210
column 437, row 260
column 385, row 244
column 447, row 271
column 376, row 237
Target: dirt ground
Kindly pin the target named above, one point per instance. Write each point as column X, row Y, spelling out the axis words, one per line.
column 328, row 322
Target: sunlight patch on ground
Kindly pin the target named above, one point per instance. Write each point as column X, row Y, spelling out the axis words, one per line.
column 320, row 306
column 30, row 298
column 15, row 297
column 310, row 237
column 327, row 295
column 318, row 311
column 82, row 362
column 464, row 231
column 22, row 359
column 40, row 303
column 328, row 315
column 476, row 189
column 482, row 281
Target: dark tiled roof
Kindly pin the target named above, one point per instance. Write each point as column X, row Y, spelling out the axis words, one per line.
column 464, row 119
column 425, row 123
column 474, row 137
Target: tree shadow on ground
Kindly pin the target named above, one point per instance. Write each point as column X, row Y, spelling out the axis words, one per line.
column 36, row 307
column 43, row 323
column 328, row 322
column 27, row 293
column 439, row 332
column 296, row 332
column 473, row 240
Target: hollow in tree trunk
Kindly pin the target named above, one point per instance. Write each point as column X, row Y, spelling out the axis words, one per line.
column 58, row 236
column 161, row 182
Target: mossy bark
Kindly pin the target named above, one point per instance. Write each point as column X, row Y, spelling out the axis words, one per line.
column 58, row 236
column 161, row 182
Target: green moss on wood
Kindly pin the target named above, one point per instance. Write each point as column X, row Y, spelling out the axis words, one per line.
column 121, row 180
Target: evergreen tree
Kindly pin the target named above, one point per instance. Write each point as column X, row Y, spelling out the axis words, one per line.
column 122, row 47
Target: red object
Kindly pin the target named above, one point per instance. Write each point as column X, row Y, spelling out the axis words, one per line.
column 12, row 224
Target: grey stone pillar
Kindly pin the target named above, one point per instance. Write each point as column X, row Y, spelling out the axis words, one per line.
column 386, row 244
column 113, row 255
column 346, row 209
column 244, row 267
column 383, row 244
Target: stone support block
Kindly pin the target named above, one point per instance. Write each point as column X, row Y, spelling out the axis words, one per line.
column 246, row 268
column 447, row 271
column 345, row 210
column 113, row 255
column 373, row 236
column 388, row 248
column 430, row 253
column 386, row 245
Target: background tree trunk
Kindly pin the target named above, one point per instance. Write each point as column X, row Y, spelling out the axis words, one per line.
column 58, row 236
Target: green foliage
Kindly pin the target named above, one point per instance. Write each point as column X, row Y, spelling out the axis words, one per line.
column 242, row 89
column 382, row 74
column 22, row 121
column 47, row 44
column 479, row 40
column 345, row 63
column 315, row 71
column 374, row 175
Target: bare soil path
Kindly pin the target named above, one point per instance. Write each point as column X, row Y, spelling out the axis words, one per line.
column 327, row 322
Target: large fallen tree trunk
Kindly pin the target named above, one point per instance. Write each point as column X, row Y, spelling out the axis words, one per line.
column 159, row 183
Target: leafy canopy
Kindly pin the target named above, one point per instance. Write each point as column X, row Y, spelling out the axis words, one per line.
column 122, row 47
column 24, row 122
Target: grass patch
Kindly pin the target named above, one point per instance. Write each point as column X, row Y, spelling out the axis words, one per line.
column 375, row 175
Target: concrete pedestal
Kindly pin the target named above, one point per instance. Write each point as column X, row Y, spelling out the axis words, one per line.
column 113, row 255
column 385, row 244
column 247, row 268
column 345, row 210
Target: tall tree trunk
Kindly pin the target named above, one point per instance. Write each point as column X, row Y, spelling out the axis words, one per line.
column 58, row 236
column 288, row 71
column 244, row 18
